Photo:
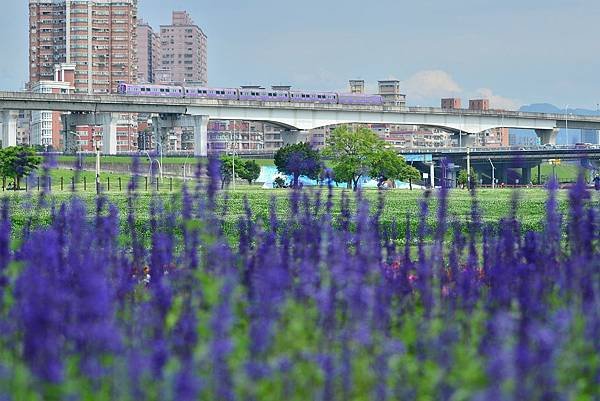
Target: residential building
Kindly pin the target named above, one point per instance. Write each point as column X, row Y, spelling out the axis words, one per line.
column 390, row 91
column 127, row 135
column 98, row 36
column 183, row 52
column 452, row 103
column 357, row 86
column 148, row 52
column 493, row 138
column 479, row 104
column 239, row 136
column 46, row 126
column 24, row 127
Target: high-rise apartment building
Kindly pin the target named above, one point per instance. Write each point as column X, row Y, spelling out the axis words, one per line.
column 390, row 92
column 451, row 103
column 479, row 104
column 357, row 86
column 182, row 51
column 148, row 52
column 98, row 36
column 45, row 128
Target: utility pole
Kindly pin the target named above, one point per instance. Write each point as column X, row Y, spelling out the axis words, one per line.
column 468, row 167
column 97, row 144
column 493, row 173
column 233, row 158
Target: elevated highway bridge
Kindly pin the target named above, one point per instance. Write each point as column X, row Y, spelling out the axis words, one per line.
column 195, row 113
column 498, row 161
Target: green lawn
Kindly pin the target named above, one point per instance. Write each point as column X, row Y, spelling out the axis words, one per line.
column 144, row 159
column 398, row 204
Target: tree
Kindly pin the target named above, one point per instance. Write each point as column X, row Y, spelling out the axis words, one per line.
column 463, row 177
column 298, row 159
column 352, row 151
column 360, row 152
column 386, row 164
column 250, row 172
column 18, row 162
column 227, row 167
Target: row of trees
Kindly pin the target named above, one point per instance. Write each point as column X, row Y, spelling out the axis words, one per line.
column 17, row 162
column 248, row 170
column 354, row 154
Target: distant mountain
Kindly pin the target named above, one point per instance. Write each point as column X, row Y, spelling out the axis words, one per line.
column 528, row 137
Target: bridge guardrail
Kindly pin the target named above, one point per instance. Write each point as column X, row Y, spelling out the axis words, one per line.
column 215, row 102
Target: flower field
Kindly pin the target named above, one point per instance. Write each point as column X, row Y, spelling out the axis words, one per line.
column 317, row 295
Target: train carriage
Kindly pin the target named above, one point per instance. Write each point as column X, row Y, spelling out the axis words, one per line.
column 211, row 93
column 263, row 95
column 360, row 98
column 248, row 93
column 313, row 97
column 150, row 90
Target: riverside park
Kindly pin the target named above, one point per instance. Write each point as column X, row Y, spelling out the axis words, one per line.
column 185, row 289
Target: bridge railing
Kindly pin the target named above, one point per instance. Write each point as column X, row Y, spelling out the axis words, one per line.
column 111, row 99
column 500, row 149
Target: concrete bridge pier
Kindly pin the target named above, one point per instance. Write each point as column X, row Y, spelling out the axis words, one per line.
column 107, row 121
column 547, row 136
column 198, row 123
column 526, row 175
column 9, row 127
column 465, row 140
column 161, row 126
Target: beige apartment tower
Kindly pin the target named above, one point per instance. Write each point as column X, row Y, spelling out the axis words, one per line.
column 183, row 52
column 148, row 52
column 97, row 36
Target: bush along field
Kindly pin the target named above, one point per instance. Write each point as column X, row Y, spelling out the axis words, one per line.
column 311, row 305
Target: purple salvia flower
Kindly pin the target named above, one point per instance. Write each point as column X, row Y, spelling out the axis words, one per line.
column 40, row 303
column 221, row 345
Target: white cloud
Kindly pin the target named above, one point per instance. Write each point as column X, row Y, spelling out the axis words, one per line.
column 497, row 101
column 430, row 85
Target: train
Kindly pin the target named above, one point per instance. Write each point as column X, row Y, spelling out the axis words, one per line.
column 252, row 94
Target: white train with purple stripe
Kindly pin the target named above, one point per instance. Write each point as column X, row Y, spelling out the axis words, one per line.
column 260, row 95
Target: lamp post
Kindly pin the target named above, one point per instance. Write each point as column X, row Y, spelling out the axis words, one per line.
column 160, row 170
column 97, row 146
column 567, row 121
column 185, row 166
column 469, row 168
column 233, row 158
column 493, row 173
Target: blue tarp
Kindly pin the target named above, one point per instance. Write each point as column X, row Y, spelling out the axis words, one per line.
column 268, row 174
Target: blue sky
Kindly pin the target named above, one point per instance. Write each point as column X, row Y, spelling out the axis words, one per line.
column 514, row 52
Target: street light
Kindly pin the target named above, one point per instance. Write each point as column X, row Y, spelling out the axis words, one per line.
column 567, row 121
column 233, row 157
column 493, row 173
column 97, row 148
column 160, row 164
column 185, row 166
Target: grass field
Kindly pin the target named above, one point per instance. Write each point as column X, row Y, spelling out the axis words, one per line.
column 144, row 159
column 494, row 204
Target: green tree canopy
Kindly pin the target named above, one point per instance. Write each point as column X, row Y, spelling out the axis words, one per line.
column 298, row 159
column 18, row 162
column 352, row 152
column 360, row 152
column 227, row 169
column 250, row 172
column 463, row 177
column 386, row 164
